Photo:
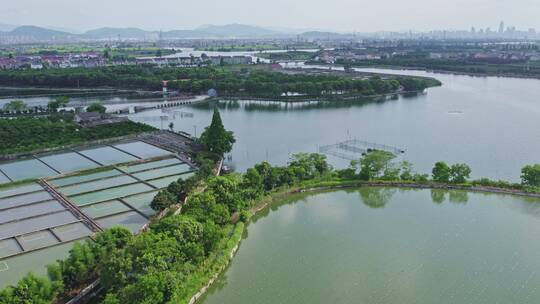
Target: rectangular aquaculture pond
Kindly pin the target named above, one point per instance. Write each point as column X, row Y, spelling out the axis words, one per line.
column 109, row 194
column 12, row 269
column 105, row 209
column 35, row 224
column 132, row 221
column 98, row 184
column 20, row 189
column 35, row 230
column 162, row 172
column 26, row 169
column 17, row 213
column 68, row 162
column 165, row 181
column 141, row 202
column 4, row 179
column 108, row 155
column 24, row 199
column 76, row 179
column 151, row 165
column 37, row 227
column 142, row 149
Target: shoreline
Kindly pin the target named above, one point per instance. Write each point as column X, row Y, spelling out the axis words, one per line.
column 266, row 201
column 434, row 71
column 329, row 98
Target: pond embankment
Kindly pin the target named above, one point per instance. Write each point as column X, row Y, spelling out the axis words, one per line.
column 281, row 194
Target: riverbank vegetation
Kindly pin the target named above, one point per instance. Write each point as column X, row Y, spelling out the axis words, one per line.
column 461, row 66
column 227, row 81
column 247, row 47
column 290, row 55
column 31, row 134
column 180, row 253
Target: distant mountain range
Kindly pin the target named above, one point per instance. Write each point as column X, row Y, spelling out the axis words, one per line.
column 7, row 27
column 36, row 33
column 39, row 33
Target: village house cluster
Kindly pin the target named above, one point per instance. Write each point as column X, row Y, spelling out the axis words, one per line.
column 185, row 59
column 94, row 59
column 87, row 60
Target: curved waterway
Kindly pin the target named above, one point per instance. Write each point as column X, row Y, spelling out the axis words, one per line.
column 490, row 123
column 387, row 245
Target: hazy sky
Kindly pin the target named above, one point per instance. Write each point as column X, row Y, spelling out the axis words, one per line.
column 344, row 15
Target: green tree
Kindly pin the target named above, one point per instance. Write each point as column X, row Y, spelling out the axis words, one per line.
column 54, row 272
column 407, row 173
column 216, row 138
column 164, row 199
column 96, row 107
column 60, row 101
column 109, row 240
column 268, row 174
column 15, row 106
column 80, row 265
column 212, row 233
column 391, row 173
column 111, row 298
column 441, row 172
column 203, row 206
column 310, row 163
column 252, row 184
column 226, row 189
column 183, row 228
column 30, row 290
column 179, row 189
column 375, row 163
column 530, row 175
column 459, row 173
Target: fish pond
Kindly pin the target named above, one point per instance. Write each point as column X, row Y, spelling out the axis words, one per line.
column 388, row 245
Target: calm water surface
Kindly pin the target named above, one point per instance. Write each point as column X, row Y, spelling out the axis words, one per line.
column 381, row 245
column 490, row 123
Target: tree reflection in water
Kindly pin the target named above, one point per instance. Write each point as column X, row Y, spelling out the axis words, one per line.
column 375, row 197
column 438, row 196
column 458, row 196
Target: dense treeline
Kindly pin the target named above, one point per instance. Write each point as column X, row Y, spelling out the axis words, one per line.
column 290, row 55
column 177, row 256
column 379, row 166
column 454, row 65
column 30, row 134
column 200, row 80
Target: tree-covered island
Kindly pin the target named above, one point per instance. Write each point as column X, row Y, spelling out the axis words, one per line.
column 228, row 81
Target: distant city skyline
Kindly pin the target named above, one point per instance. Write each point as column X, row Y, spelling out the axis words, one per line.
column 473, row 29
column 338, row 15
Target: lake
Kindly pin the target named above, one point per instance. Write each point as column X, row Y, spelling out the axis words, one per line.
column 387, row 245
column 490, row 123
